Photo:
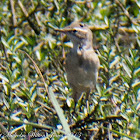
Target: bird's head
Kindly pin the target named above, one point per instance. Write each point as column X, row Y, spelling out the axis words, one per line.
column 77, row 32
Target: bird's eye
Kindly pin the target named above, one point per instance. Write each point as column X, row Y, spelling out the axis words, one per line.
column 81, row 25
column 74, row 31
column 80, row 48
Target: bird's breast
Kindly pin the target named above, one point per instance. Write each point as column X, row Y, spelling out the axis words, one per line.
column 82, row 69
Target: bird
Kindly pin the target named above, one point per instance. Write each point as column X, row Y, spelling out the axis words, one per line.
column 82, row 63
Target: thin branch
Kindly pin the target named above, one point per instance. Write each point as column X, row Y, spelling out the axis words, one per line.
column 89, row 120
column 47, row 107
column 105, row 27
column 24, row 18
column 37, row 69
column 27, row 123
column 14, row 16
column 32, row 25
column 125, row 12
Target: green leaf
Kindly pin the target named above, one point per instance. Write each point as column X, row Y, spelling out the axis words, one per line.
column 2, row 77
column 18, row 45
column 5, row 43
column 127, row 69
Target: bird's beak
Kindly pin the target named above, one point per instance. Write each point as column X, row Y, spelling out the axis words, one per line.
column 65, row 30
column 60, row 30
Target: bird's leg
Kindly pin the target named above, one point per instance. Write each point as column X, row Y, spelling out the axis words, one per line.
column 75, row 96
column 87, row 94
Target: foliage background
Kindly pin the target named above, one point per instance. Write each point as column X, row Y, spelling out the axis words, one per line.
column 25, row 107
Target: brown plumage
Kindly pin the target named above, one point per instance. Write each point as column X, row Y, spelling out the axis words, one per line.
column 82, row 62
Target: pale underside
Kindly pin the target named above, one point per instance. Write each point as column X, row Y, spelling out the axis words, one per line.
column 82, row 71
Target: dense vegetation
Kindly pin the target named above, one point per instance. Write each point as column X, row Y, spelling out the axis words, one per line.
column 33, row 83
